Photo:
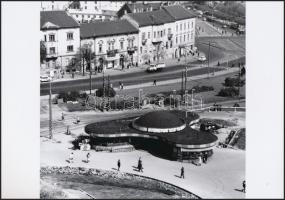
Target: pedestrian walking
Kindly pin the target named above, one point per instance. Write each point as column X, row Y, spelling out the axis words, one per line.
column 71, row 157
column 87, row 157
column 119, row 164
column 122, row 86
column 154, row 82
column 182, row 173
column 77, row 120
column 67, row 130
column 62, row 116
column 243, row 186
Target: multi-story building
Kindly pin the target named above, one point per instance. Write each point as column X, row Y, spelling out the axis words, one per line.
column 184, row 32
column 114, row 43
column 54, row 5
column 165, row 33
column 61, row 36
column 87, row 11
column 138, row 7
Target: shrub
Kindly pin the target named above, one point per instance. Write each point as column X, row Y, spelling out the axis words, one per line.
column 231, row 82
column 202, row 88
column 228, row 92
column 69, row 96
column 99, row 92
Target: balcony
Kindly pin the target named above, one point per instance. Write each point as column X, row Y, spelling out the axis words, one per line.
column 131, row 50
column 169, row 36
column 156, row 40
column 144, row 41
column 112, row 53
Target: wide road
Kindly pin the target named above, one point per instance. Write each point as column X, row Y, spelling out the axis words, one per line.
column 127, row 79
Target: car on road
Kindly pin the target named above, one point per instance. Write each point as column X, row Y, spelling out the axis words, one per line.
column 45, row 78
column 204, row 19
column 202, row 58
column 225, row 26
column 156, row 67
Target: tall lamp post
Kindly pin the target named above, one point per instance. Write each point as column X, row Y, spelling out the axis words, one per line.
column 50, row 109
column 192, row 97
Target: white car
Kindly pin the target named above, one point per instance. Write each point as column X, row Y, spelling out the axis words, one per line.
column 156, row 67
column 45, row 78
column 202, row 58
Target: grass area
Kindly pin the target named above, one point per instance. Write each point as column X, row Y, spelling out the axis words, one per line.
column 110, row 187
column 219, row 122
column 240, row 142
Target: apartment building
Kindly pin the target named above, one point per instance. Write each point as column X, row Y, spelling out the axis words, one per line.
column 165, row 33
column 61, row 36
column 113, row 42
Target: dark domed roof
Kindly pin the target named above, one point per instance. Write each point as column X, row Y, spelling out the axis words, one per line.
column 159, row 119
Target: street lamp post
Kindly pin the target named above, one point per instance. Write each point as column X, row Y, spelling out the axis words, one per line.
column 50, row 109
column 90, row 71
column 140, row 96
column 192, row 98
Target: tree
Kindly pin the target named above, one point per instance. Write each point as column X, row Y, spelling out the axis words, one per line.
column 83, row 56
column 43, row 51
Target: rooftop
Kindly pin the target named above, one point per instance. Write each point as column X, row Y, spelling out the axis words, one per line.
column 178, row 12
column 152, row 18
column 57, row 19
column 159, row 119
column 106, row 28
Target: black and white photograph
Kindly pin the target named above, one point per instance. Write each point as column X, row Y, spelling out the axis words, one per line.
column 142, row 100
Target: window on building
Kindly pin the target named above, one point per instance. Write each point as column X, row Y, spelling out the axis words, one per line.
column 100, row 48
column 109, row 46
column 51, row 38
column 192, row 24
column 69, row 48
column 76, row 16
column 188, row 25
column 148, row 35
column 141, row 50
column 88, row 16
column 191, row 35
column 166, row 45
column 85, row 7
column 184, row 26
column 161, row 33
column 171, row 44
column 45, row 38
column 176, row 40
column 176, row 27
column 188, row 36
column 122, row 44
column 52, row 50
column 169, row 30
column 184, row 38
column 154, row 34
column 113, row 46
column 180, row 27
column 69, row 36
column 52, row 7
column 143, row 35
column 180, row 38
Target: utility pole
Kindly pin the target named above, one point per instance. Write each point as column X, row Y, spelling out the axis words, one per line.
column 90, row 71
column 108, row 90
column 50, row 109
column 185, row 88
column 208, row 59
column 103, row 91
column 182, row 83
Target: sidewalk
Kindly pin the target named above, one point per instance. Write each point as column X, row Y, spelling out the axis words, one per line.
column 169, row 63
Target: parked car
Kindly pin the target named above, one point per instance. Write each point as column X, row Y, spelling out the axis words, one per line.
column 156, row 67
column 202, row 58
column 204, row 19
column 45, row 78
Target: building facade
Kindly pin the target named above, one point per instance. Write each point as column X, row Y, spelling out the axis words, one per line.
column 113, row 42
column 163, row 34
column 54, row 5
column 61, row 36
